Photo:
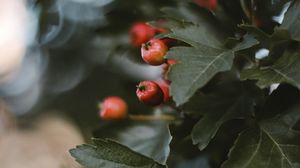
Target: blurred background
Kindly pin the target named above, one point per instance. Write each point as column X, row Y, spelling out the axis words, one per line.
column 60, row 58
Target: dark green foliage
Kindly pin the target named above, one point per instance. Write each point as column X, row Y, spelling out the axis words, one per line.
column 107, row 153
column 213, row 91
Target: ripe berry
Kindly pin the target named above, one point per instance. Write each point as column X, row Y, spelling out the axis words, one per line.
column 113, row 108
column 166, row 69
column 149, row 93
column 153, row 52
column 171, row 62
column 258, row 23
column 165, row 87
column 209, row 4
column 140, row 33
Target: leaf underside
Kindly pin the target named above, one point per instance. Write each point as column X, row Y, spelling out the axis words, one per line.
column 107, row 153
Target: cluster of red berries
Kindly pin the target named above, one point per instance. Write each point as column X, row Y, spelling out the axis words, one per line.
column 153, row 52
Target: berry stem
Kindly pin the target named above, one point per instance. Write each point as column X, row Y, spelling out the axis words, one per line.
column 245, row 8
column 252, row 12
column 172, row 105
column 163, row 117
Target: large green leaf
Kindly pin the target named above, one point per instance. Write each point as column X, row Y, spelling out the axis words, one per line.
column 237, row 102
column 198, row 35
column 282, row 64
column 272, row 144
column 280, row 35
column 196, row 65
column 188, row 13
column 285, row 69
column 148, row 138
column 194, row 69
column 107, row 153
column 291, row 20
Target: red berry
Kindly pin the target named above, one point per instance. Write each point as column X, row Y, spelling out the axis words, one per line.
column 166, row 69
column 149, row 93
column 165, row 87
column 140, row 33
column 259, row 23
column 171, row 62
column 153, row 52
column 113, row 108
column 209, row 4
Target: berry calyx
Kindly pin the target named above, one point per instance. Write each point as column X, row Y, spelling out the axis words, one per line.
column 150, row 93
column 113, row 108
column 153, row 52
column 140, row 33
column 209, row 4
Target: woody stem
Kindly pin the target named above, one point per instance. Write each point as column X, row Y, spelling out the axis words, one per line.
column 161, row 117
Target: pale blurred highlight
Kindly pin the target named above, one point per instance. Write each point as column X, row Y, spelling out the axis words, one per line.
column 13, row 19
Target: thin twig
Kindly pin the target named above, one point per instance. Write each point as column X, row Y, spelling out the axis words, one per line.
column 163, row 117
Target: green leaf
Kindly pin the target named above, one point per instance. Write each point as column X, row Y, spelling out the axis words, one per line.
column 151, row 139
column 260, row 35
column 108, row 153
column 194, row 69
column 248, row 42
column 196, row 65
column 199, row 35
column 175, row 13
column 281, row 64
column 279, row 36
column 237, row 102
column 273, row 143
column 187, row 13
column 291, row 20
column 285, row 69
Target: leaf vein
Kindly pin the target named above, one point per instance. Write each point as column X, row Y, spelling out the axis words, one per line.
column 278, row 146
column 255, row 152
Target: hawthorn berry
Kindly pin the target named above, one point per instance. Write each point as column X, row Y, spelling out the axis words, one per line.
column 166, row 69
column 258, row 22
column 209, row 4
column 150, row 93
column 113, row 108
column 153, row 52
column 140, row 33
column 165, row 87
